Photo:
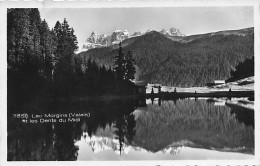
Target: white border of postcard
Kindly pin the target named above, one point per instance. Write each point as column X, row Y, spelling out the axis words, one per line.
column 121, row 4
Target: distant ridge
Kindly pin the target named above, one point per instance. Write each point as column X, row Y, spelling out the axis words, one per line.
column 239, row 32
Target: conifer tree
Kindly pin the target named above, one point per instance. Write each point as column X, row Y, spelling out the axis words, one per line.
column 58, row 40
column 47, row 47
column 66, row 45
column 129, row 66
column 119, row 63
column 36, row 60
column 64, row 55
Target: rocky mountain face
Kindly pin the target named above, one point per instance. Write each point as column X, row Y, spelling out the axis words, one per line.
column 97, row 40
column 118, row 36
column 172, row 32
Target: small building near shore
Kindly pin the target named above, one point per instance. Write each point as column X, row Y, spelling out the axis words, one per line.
column 157, row 85
column 140, row 87
column 216, row 82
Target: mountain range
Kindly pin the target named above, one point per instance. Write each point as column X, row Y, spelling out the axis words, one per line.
column 97, row 40
column 181, row 60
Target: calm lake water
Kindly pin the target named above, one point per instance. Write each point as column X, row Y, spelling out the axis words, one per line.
column 130, row 130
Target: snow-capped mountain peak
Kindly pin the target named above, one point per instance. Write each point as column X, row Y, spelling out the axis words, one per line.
column 172, row 32
column 96, row 39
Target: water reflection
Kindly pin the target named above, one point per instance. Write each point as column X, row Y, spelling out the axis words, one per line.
column 56, row 141
column 131, row 130
column 199, row 122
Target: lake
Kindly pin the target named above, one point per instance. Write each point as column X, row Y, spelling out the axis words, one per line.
column 130, row 129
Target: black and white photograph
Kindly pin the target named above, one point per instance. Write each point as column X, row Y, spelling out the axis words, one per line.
column 131, row 83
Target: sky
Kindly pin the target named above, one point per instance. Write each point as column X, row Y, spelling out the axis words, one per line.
column 189, row 20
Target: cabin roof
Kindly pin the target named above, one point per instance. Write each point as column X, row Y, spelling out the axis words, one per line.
column 140, row 83
column 219, row 81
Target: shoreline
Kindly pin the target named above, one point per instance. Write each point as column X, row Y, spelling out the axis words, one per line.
column 213, row 94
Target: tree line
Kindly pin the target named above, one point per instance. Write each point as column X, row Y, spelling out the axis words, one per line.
column 42, row 61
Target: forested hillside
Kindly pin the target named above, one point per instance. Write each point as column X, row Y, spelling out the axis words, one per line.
column 187, row 61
